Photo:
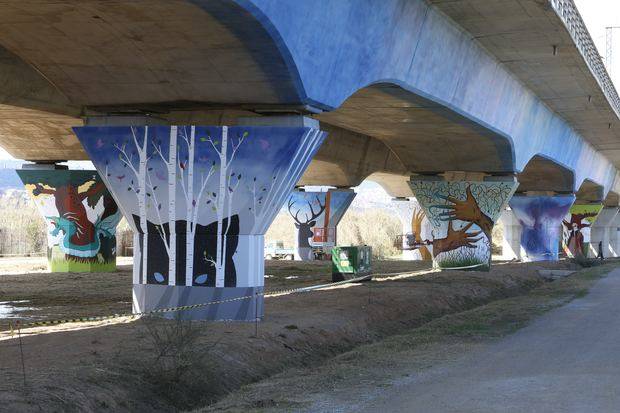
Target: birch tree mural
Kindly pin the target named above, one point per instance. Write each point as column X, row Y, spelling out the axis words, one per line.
column 221, row 186
column 193, row 203
column 170, row 243
column 126, row 157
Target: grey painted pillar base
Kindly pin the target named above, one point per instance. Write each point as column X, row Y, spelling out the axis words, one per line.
column 243, row 304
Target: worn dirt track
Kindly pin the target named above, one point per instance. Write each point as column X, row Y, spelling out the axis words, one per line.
column 92, row 369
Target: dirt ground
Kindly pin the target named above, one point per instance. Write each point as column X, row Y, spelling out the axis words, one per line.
column 29, row 293
column 502, row 356
column 123, row 366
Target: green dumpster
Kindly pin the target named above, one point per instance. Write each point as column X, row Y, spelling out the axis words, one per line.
column 351, row 262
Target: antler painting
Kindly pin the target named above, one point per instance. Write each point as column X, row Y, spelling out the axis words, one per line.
column 416, row 241
column 305, row 223
column 81, row 215
column 316, row 210
column 462, row 214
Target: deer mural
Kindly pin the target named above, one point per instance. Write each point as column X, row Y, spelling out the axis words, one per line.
column 304, row 228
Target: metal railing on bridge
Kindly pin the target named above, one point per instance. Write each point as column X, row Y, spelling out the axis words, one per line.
column 569, row 14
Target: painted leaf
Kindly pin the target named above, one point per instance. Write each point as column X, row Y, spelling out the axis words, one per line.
column 201, row 279
column 159, row 277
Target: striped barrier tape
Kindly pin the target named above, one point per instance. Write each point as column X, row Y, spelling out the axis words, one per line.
column 184, row 307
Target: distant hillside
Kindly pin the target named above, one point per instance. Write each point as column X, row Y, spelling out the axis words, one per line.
column 9, row 180
column 371, row 195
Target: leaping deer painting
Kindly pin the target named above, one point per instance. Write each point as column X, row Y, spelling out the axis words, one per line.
column 304, row 228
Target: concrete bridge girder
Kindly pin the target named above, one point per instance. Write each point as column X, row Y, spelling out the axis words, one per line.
column 465, row 106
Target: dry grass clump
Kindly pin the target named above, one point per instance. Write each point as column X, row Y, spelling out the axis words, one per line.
column 22, row 228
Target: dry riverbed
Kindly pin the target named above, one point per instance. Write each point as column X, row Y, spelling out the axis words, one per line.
column 129, row 365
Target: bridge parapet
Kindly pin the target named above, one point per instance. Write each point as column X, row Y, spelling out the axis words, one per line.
column 567, row 11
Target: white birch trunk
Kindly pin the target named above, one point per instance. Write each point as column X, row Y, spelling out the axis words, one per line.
column 172, row 193
column 142, row 202
column 221, row 197
column 191, row 225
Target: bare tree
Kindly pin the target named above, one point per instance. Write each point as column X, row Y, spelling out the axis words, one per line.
column 140, row 173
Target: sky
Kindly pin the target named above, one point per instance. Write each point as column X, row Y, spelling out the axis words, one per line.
column 597, row 15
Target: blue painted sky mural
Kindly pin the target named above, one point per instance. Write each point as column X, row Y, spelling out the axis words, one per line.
column 541, row 221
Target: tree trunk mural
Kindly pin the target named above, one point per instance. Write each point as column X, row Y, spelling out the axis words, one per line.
column 82, row 217
column 576, row 228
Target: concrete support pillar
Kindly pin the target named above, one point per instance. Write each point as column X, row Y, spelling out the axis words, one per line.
column 576, row 234
column 541, row 221
column 614, row 237
column 511, row 240
column 601, row 232
column 81, row 217
column 200, row 199
column 462, row 213
column 416, row 228
column 316, row 216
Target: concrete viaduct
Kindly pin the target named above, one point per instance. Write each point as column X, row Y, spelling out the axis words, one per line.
column 461, row 104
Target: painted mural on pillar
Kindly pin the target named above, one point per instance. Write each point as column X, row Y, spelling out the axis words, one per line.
column 316, row 216
column 576, row 228
column 541, row 220
column 81, row 216
column 200, row 199
column 417, row 231
column 462, row 214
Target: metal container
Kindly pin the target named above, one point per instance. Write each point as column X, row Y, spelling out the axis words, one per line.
column 351, row 262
